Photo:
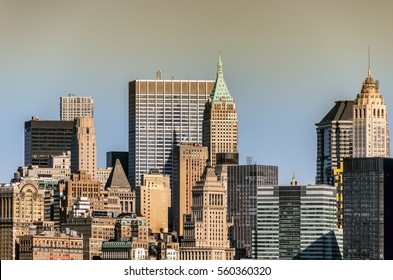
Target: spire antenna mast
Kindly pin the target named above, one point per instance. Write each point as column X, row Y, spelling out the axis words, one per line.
column 369, row 63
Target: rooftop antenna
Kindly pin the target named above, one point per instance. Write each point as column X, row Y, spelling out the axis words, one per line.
column 158, row 74
column 369, row 63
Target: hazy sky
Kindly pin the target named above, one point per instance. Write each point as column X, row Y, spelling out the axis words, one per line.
column 285, row 63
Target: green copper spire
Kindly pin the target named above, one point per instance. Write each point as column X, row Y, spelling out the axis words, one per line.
column 293, row 181
column 220, row 89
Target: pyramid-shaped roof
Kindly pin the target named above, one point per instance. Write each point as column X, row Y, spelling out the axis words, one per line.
column 117, row 178
column 220, row 89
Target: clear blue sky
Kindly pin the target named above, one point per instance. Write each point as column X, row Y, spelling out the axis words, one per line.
column 285, row 63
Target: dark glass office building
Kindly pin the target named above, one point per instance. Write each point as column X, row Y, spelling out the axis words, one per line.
column 46, row 138
column 242, row 184
column 368, row 208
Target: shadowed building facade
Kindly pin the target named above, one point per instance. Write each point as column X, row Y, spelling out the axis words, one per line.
column 190, row 163
column 243, row 182
column 44, row 139
column 334, row 140
column 368, row 208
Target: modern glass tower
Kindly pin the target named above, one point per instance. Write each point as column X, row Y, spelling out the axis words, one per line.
column 334, row 140
column 44, row 139
column 296, row 222
column 163, row 113
column 368, row 208
column 242, row 184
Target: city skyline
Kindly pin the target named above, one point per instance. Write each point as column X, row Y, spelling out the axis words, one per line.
column 284, row 72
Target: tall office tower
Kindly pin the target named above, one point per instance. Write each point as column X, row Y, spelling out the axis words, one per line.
column 296, row 222
column 81, row 185
column 83, row 147
column 368, row 208
column 44, row 139
column 73, row 107
column 220, row 126
column 163, row 113
column 189, row 164
column 206, row 228
column 334, row 140
column 243, row 181
column 153, row 200
column 121, row 199
column 21, row 204
column 371, row 136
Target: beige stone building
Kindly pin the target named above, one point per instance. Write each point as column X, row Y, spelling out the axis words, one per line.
column 220, row 125
column 120, row 197
column 154, row 200
column 51, row 246
column 190, row 162
column 83, row 147
column 81, row 185
column 206, row 228
column 72, row 107
column 21, row 204
column 103, row 175
column 371, row 136
column 135, row 230
column 95, row 231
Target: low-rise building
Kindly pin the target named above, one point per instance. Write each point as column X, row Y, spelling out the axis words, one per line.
column 50, row 245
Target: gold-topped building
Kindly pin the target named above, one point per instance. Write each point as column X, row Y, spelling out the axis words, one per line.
column 220, row 125
column 371, row 137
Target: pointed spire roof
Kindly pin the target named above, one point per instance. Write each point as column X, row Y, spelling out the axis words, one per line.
column 220, row 89
column 117, row 178
column 293, row 181
column 370, row 85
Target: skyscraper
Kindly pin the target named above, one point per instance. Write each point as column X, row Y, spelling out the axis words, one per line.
column 206, row 228
column 334, row 140
column 220, row 125
column 44, row 139
column 371, row 136
column 189, row 165
column 153, row 200
column 83, row 148
column 243, row 182
column 72, row 107
column 296, row 222
column 162, row 113
column 368, row 208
